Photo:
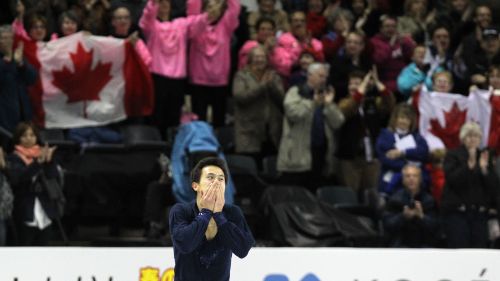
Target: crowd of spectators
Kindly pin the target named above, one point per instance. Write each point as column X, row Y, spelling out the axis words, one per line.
column 325, row 86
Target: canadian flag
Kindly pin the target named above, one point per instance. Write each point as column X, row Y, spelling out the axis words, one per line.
column 443, row 114
column 88, row 80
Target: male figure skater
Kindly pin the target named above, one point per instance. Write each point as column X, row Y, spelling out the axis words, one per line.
column 207, row 232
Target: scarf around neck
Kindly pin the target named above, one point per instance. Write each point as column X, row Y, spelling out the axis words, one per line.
column 27, row 154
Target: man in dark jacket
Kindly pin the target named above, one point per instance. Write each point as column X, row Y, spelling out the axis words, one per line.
column 207, row 232
column 15, row 75
column 410, row 215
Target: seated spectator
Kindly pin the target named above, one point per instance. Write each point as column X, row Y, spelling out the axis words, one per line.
column 391, row 52
column 16, row 75
column 258, row 94
column 410, row 215
column 338, row 26
column 483, row 57
column 366, row 110
column 470, row 192
column 267, row 9
column 306, row 151
column 299, row 75
column 416, row 74
column 34, row 211
column 316, row 21
column 353, row 57
column 397, row 145
column 158, row 198
column 293, row 43
column 167, row 41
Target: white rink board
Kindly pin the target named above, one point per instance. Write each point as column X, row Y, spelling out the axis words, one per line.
column 262, row 264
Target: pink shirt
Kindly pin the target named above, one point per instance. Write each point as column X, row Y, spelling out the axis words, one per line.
column 209, row 53
column 277, row 59
column 291, row 49
column 167, row 41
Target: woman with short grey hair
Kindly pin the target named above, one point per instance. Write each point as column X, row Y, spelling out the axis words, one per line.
column 471, row 191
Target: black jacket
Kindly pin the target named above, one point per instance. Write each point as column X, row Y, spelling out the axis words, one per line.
column 467, row 187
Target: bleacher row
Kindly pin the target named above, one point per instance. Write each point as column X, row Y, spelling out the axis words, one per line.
column 105, row 187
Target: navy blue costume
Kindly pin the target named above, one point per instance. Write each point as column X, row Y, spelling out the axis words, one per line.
column 199, row 259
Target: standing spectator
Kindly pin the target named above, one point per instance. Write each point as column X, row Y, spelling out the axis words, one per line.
column 267, row 9
column 414, row 22
column 307, row 148
column 494, row 88
column 397, row 145
column 366, row 16
column 391, row 52
column 6, row 200
column 483, row 19
column 134, row 6
column 471, row 191
column 15, row 75
column 410, row 216
column 48, row 9
column 458, row 15
column 416, row 74
column 353, row 56
column 439, row 54
column 316, row 21
column 68, row 24
column 36, row 26
column 122, row 28
column 167, row 42
column 209, row 60
column 32, row 38
column 366, row 109
column 483, row 57
column 94, row 15
column 33, row 209
column 258, row 94
column 339, row 24
column 293, row 43
column 266, row 37
column 299, row 75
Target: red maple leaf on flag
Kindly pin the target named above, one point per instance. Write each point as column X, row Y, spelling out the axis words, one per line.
column 454, row 119
column 84, row 84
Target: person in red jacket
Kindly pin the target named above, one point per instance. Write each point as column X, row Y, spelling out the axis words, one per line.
column 391, row 52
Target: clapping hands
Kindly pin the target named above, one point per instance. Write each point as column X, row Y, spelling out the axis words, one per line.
column 46, row 154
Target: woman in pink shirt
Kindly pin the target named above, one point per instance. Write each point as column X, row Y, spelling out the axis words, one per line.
column 266, row 37
column 167, row 42
column 209, row 60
